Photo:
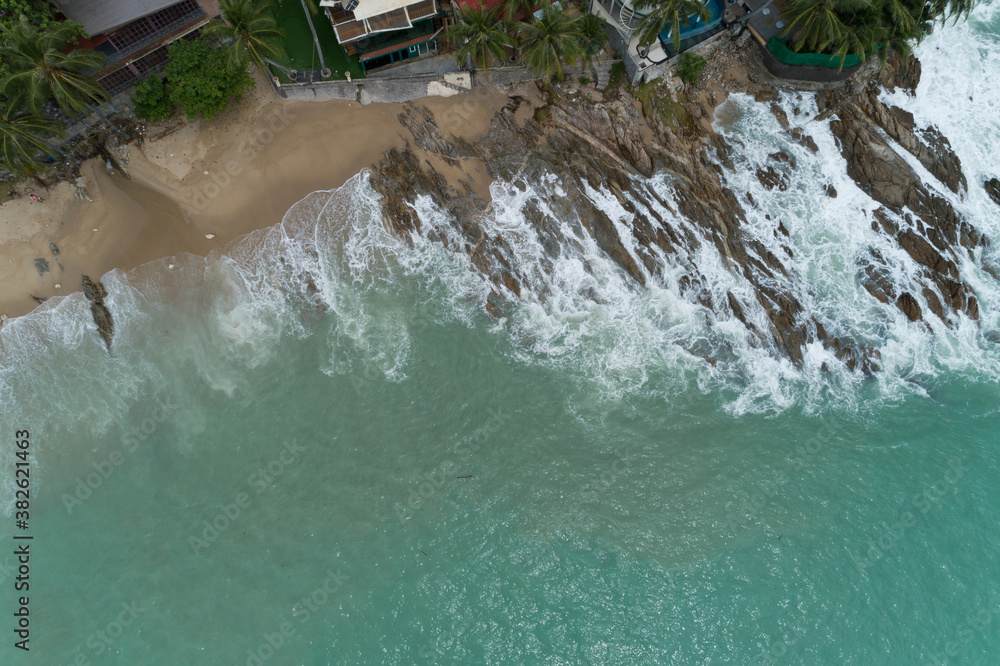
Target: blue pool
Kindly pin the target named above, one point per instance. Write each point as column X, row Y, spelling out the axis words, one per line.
column 697, row 26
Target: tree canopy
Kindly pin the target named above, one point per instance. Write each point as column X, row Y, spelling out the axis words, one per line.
column 199, row 81
column 482, row 34
column 860, row 27
column 251, row 27
column 41, row 65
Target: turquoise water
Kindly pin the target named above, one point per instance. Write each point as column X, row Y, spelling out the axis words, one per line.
column 697, row 26
column 374, row 472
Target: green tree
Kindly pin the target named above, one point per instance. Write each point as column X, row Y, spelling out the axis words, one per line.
column 513, row 8
column 550, row 42
column 23, row 138
column 482, row 34
column 691, row 68
column 199, row 80
column 817, row 24
column 252, row 29
column 859, row 27
column 42, row 66
column 675, row 13
column 151, row 100
column 593, row 37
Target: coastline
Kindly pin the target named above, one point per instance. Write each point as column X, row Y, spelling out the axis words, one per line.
column 239, row 172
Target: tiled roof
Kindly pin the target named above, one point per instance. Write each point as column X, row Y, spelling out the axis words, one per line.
column 99, row 16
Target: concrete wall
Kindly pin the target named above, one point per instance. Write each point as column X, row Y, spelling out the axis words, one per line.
column 511, row 75
column 381, row 89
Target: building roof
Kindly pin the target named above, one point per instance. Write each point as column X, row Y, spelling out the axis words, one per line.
column 370, row 8
column 99, row 16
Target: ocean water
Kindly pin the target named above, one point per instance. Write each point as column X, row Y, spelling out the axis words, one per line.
column 316, row 448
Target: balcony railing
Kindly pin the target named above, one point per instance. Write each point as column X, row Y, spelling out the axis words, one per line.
column 349, row 28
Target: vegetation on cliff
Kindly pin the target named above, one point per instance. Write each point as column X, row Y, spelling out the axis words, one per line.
column 555, row 39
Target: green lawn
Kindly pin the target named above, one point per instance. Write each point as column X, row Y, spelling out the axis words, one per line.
column 298, row 50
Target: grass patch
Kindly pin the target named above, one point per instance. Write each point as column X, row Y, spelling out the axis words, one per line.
column 616, row 75
column 298, row 50
column 670, row 111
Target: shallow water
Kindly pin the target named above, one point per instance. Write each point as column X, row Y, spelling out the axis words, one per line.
column 372, row 471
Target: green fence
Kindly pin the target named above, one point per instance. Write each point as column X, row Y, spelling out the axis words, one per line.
column 790, row 57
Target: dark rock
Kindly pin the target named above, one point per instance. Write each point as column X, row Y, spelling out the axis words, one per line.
column 771, row 179
column 780, row 114
column 992, row 187
column 830, row 190
column 804, row 139
column 909, row 306
column 41, row 265
column 54, row 249
column 96, row 293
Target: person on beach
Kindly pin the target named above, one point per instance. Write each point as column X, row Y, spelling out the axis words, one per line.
column 35, row 197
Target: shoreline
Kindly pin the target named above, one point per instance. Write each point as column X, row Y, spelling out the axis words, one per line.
column 196, row 188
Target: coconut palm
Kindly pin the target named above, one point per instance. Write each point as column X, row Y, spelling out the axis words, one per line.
column 858, row 27
column 551, row 42
column 482, row 34
column 817, row 24
column 675, row 13
column 22, row 138
column 520, row 7
column 593, row 37
column 251, row 27
column 41, row 67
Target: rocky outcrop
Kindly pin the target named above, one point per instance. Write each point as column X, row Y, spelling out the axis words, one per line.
column 96, row 293
column 992, row 187
column 922, row 223
column 609, row 146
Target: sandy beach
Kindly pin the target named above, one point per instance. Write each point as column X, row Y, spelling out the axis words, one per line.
column 225, row 177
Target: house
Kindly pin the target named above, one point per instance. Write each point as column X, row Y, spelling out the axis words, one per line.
column 645, row 63
column 133, row 34
column 381, row 32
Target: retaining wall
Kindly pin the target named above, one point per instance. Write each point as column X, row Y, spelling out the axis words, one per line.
column 380, row 89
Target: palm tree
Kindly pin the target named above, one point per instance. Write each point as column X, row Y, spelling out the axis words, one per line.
column 41, row 67
column 593, row 37
column 817, row 24
column 674, row 13
column 483, row 32
column 251, row 27
column 22, row 138
column 551, row 42
column 522, row 7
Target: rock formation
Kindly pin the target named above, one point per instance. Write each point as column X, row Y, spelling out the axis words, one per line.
column 95, row 293
column 608, row 145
